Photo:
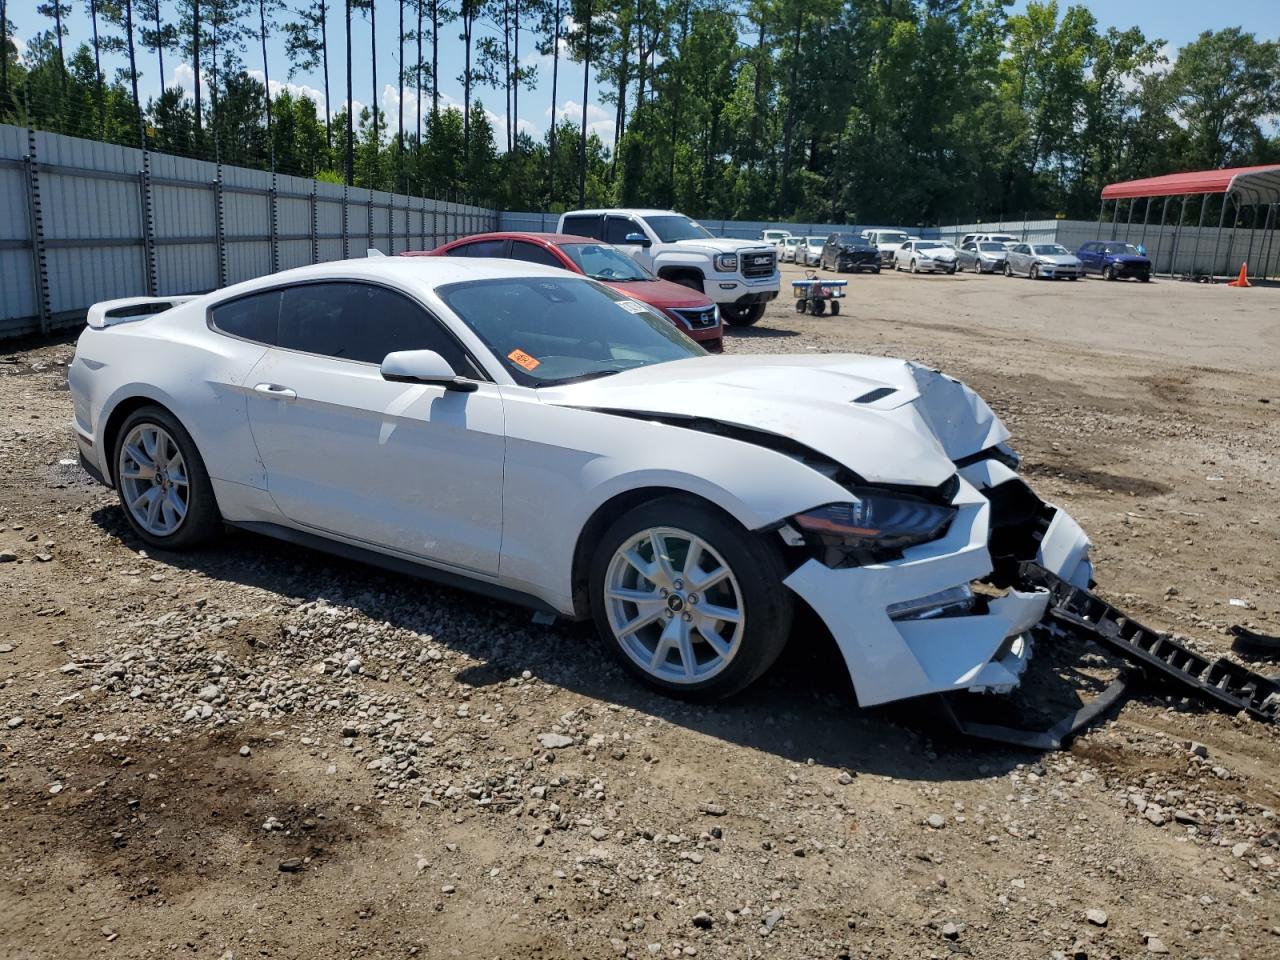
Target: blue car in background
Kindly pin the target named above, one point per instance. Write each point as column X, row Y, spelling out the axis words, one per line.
column 1114, row 260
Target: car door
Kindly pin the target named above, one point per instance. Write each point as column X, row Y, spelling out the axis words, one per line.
column 535, row 253
column 410, row 467
column 1088, row 255
column 966, row 256
column 1019, row 258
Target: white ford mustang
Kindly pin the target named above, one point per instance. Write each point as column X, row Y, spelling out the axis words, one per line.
column 534, row 435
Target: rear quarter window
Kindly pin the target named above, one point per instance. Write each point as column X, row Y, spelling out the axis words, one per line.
column 255, row 317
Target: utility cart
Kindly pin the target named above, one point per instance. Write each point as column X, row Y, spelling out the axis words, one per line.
column 813, row 294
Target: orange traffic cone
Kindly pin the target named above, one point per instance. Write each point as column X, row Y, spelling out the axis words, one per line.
column 1243, row 279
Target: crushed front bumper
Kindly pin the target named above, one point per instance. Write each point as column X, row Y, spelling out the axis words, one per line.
column 983, row 650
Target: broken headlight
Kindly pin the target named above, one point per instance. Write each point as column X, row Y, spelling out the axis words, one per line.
column 874, row 525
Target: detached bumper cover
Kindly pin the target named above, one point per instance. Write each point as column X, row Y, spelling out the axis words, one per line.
column 984, row 651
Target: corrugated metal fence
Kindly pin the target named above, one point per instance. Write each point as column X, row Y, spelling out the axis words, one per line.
column 83, row 221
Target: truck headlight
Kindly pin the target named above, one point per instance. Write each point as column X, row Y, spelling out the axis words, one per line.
column 727, row 261
column 872, row 525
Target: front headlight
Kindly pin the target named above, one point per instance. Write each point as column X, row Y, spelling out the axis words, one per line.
column 726, row 261
column 872, row 525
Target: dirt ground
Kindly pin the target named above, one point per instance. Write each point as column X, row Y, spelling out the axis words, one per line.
column 257, row 751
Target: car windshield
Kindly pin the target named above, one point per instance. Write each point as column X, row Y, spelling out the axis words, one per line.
column 816, row 241
column 1003, row 238
column 1128, row 248
column 849, row 240
column 930, row 245
column 603, row 262
column 1050, row 250
column 992, row 247
column 674, row 227
column 553, row 330
column 894, row 238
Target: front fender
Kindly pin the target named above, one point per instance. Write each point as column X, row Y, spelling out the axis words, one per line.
column 564, row 463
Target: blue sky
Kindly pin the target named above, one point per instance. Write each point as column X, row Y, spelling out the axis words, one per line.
column 1175, row 21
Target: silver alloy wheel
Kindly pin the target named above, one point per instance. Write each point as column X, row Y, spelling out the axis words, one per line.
column 674, row 605
column 153, row 477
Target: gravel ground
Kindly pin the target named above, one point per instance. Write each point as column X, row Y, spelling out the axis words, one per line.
column 260, row 751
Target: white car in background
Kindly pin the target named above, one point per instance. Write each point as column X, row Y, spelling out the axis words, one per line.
column 887, row 242
column 789, row 249
column 925, row 256
column 774, row 236
column 534, row 435
column 809, row 252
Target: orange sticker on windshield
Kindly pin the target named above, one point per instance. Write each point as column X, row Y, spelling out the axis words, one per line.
column 521, row 358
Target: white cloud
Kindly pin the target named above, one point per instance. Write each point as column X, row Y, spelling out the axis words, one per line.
column 294, row 89
column 599, row 120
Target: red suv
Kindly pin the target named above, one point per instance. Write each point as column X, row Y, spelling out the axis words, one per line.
column 690, row 310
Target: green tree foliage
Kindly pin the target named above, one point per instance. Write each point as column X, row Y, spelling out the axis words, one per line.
column 889, row 111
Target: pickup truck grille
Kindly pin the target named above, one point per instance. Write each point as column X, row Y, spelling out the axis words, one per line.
column 760, row 264
column 698, row 318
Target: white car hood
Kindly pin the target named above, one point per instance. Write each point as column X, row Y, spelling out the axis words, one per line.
column 916, row 425
column 725, row 245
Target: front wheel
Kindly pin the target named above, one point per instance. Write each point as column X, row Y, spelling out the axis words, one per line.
column 688, row 600
column 742, row 316
column 1034, row 274
column 162, row 482
column 1008, row 270
column 835, row 307
column 1108, row 273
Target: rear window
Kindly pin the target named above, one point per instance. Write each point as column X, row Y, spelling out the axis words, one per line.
column 254, row 317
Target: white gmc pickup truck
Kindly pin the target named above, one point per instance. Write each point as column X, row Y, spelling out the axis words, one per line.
column 741, row 276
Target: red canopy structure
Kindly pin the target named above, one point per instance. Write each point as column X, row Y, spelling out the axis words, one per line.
column 1256, row 181
column 1254, row 187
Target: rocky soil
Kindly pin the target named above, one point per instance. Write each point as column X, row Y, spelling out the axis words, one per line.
column 257, row 751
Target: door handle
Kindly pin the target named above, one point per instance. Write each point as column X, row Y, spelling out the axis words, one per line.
column 275, row 390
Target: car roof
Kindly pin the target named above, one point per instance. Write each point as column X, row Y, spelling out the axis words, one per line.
column 424, row 272
column 531, row 235
column 638, row 211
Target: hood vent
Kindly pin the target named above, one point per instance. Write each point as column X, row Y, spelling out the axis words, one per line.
column 879, row 393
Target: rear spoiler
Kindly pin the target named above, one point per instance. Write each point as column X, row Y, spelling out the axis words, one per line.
column 110, row 312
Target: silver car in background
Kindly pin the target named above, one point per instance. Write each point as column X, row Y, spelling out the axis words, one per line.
column 925, row 256
column 810, row 251
column 1049, row 261
column 982, row 256
column 787, row 249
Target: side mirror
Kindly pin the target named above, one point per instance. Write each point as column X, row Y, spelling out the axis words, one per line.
column 424, row 366
column 639, row 239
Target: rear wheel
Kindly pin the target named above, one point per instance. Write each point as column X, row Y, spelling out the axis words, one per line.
column 801, row 305
column 817, row 307
column 162, row 482
column 737, row 316
column 835, row 307
column 689, row 601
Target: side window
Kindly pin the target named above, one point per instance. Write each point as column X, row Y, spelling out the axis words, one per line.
column 617, row 228
column 360, row 321
column 583, row 226
column 251, row 318
column 487, row 248
column 461, row 250
column 532, row 253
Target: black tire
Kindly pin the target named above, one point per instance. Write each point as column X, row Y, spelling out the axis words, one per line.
column 742, row 316
column 875, row 270
column 801, row 305
column 1034, row 272
column 755, row 562
column 203, row 521
column 818, row 307
column 1108, row 272
column 835, row 308
column 1144, row 278
column 1008, row 270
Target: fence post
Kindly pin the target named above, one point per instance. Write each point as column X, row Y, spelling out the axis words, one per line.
column 35, row 215
column 1195, row 254
column 315, row 224
column 1155, row 261
column 1217, row 238
column 220, row 226
column 346, row 227
column 146, row 202
column 273, row 197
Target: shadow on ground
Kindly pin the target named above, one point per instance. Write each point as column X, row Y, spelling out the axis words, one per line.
column 803, row 709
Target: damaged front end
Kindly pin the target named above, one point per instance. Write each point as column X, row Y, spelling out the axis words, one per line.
column 942, row 614
column 961, row 612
